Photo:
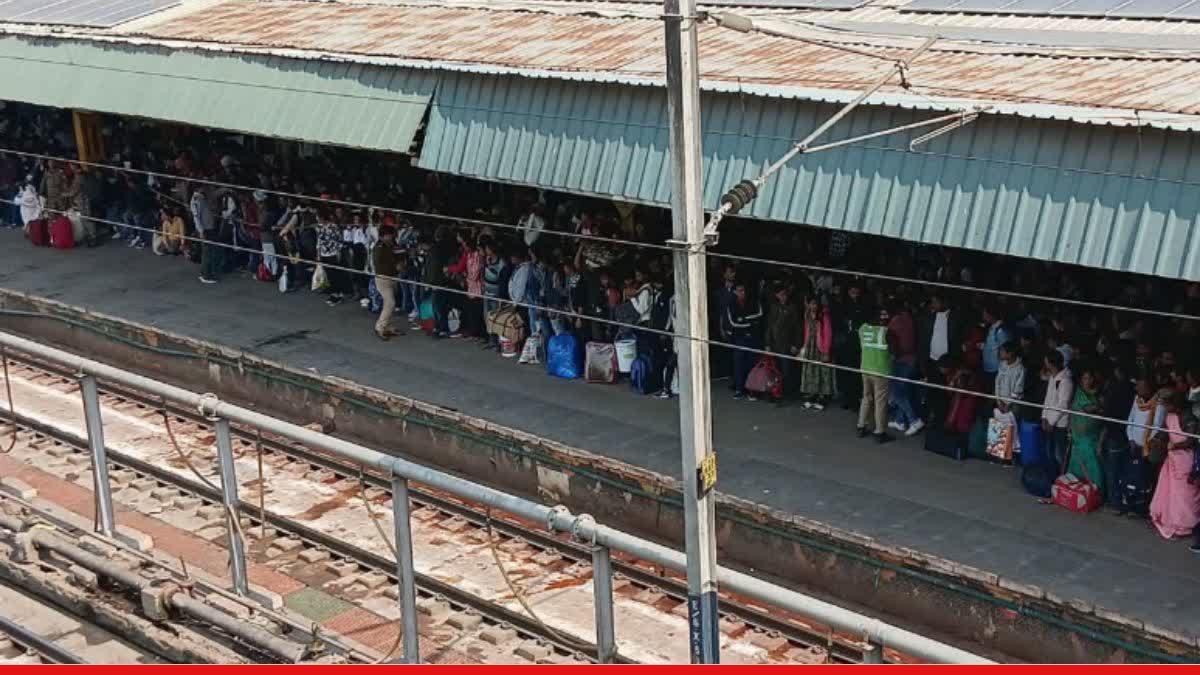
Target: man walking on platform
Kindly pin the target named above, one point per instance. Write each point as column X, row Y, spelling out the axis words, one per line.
column 386, row 271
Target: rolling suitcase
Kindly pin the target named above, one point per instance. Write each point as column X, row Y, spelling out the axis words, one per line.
column 61, row 233
column 39, row 232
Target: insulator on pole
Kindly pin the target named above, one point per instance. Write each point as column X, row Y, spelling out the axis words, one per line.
column 739, row 196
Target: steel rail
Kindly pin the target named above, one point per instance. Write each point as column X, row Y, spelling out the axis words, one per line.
column 384, row 565
column 558, row 518
column 34, row 642
column 839, row 650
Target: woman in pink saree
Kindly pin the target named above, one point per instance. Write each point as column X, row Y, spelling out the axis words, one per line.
column 1175, row 509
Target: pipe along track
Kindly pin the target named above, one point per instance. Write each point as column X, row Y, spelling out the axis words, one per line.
column 839, row 649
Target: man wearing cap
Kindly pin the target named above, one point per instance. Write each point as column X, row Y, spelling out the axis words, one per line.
column 386, row 269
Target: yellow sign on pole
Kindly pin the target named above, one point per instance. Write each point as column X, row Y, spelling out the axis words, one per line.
column 706, row 474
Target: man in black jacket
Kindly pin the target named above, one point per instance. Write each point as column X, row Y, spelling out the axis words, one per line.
column 848, row 315
column 742, row 319
column 940, row 332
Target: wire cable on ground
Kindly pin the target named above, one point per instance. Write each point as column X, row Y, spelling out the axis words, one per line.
column 657, row 331
column 519, row 596
column 230, row 513
column 608, row 240
column 362, row 493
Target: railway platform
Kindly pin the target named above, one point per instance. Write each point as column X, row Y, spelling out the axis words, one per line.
column 789, row 460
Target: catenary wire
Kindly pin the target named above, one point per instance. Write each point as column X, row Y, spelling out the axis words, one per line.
column 655, row 331
column 608, row 240
column 335, row 202
column 954, row 287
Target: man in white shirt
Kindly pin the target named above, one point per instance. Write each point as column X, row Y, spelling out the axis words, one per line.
column 1059, row 390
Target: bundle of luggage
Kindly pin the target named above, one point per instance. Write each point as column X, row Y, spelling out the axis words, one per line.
column 507, row 324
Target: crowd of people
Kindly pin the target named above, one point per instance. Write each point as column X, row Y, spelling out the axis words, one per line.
column 1093, row 391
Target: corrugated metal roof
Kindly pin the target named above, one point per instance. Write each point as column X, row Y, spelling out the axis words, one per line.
column 322, row 102
column 630, row 50
column 1049, row 190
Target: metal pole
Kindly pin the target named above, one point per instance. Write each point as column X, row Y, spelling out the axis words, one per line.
column 606, row 634
column 229, row 491
column 404, row 564
column 873, row 654
column 695, row 422
column 95, row 430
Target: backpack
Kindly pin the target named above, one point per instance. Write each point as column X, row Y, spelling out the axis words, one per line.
column 660, row 311
column 626, row 314
column 1133, row 484
column 643, row 376
column 1038, row 479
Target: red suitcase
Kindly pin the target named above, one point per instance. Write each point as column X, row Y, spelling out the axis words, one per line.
column 39, row 232
column 62, row 235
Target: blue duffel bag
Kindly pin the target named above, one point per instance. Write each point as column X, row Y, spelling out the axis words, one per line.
column 562, row 357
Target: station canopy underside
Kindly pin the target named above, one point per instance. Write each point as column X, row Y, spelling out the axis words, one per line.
column 1118, row 198
column 336, row 103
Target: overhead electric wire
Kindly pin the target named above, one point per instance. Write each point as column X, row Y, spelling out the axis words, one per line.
column 650, row 245
column 955, row 287
column 330, row 200
column 647, row 329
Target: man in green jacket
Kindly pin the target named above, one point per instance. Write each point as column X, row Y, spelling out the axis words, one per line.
column 877, row 344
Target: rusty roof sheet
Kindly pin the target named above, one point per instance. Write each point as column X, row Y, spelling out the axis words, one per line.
column 1114, row 87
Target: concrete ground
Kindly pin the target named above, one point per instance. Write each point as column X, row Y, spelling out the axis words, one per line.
column 808, row 463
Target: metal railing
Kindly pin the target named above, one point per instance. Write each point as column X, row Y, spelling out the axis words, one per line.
column 603, row 539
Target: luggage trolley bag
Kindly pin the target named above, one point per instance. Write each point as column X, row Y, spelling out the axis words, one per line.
column 600, row 364
column 39, row 232
column 61, row 233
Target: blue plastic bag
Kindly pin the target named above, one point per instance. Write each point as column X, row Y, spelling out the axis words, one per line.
column 562, row 357
column 375, row 302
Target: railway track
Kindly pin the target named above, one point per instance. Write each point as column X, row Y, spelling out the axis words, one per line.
column 785, row 638
column 32, row 648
